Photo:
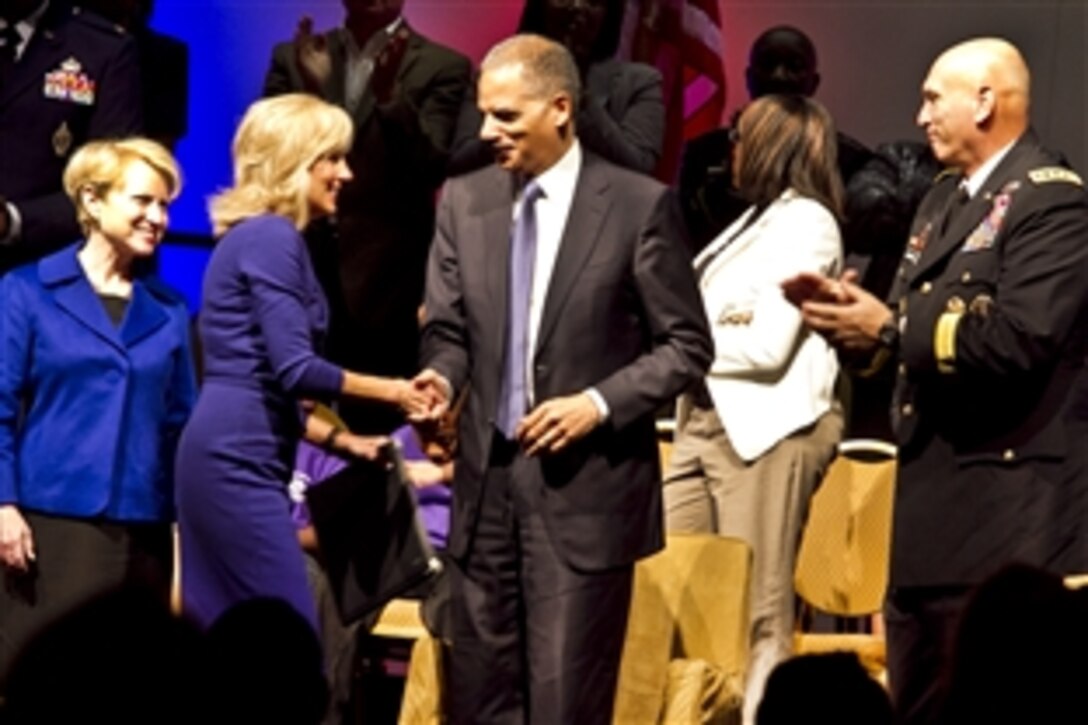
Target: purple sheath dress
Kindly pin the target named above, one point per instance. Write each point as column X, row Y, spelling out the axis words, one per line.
column 263, row 316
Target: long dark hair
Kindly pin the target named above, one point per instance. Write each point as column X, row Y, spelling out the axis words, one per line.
column 608, row 39
column 788, row 142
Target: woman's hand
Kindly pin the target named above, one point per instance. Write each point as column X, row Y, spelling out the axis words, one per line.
column 16, row 541
column 416, row 400
column 368, row 447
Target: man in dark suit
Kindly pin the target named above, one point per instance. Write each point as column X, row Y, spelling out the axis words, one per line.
column 569, row 334
column 66, row 77
column 987, row 328
column 404, row 93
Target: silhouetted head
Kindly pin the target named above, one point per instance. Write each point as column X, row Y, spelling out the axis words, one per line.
column 823, row 688
column 589, row 29
column 782, row 60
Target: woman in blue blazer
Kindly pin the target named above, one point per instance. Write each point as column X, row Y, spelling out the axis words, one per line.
column 96, row 381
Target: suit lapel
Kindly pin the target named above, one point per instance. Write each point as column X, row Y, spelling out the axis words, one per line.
column 338, row 59
column 74, row 295
column 496, row 217
column 144, row 316
column 972, row 214
column 368, row 101
column 588, row 208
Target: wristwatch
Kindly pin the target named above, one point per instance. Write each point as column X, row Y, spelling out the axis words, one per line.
column 888, row 334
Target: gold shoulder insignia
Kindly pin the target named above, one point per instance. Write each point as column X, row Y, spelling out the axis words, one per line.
column 1048, row 174
column 945, row 173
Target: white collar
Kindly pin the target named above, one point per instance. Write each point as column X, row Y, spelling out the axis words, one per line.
column 559, row 179
column 975, row 181
column 25, row 27
column 376, row 40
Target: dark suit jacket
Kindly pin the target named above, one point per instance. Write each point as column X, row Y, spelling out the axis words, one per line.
column 374, row 273
column 38, row 133
column 622, row 313
column 990, row 455
column 621, row 118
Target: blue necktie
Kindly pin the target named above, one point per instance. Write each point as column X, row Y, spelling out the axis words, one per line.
column 514, row 393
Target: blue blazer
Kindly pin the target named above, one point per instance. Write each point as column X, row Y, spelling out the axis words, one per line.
column 89, row 412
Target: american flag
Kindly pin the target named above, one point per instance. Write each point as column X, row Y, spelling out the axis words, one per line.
column 683, row 39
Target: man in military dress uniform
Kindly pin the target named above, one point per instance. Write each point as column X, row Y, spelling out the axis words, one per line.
column 987, row 330
column 66, row 77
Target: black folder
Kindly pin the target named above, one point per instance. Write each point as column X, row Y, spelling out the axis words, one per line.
column 371, row 539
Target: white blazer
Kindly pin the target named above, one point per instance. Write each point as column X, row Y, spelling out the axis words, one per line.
column 771, row 375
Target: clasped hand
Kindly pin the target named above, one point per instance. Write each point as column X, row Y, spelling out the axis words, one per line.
column 839, row 309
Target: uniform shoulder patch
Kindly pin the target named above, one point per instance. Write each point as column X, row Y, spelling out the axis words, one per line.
column 946, row 173
column 98, row 22
column 1050, row 174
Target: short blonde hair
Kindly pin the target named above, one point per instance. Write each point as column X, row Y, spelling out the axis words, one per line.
column 100, row 166
column 276, row 145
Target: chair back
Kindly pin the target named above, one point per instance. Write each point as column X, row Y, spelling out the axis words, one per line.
column 688, row 619
column 842, row 565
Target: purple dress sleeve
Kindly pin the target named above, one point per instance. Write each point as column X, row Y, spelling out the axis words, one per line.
column 282, row 284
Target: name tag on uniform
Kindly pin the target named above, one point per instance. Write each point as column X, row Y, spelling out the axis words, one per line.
column 69, row 83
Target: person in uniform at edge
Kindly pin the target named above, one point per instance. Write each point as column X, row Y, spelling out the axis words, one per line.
column 66, row 77
column 570, row 333
column 986, row 327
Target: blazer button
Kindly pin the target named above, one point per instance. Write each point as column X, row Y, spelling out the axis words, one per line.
column 540, row 370
column 1009, row 455
column 907, row 409
column 902, row 369
column 966, row 276
column 925, row 288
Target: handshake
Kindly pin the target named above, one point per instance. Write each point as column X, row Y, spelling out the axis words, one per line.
column 425, row 398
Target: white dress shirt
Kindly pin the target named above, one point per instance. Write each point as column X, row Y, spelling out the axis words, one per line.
column 552, row 210
column 360, row 62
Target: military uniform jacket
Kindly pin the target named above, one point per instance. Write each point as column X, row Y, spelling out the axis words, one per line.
column 990, row 301
column 78, row 79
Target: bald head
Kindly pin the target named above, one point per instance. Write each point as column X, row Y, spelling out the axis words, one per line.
column 975, row 101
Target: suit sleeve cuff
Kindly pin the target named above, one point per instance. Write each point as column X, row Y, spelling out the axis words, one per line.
column 599, row 401
column 15, row 226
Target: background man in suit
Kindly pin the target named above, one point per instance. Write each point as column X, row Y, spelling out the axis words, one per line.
column 569, row 333
column 66, row 77
column 987, row 327
column 404, row 93
column 782, row 60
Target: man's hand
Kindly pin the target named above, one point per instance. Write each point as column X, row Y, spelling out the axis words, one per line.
column 555, row 424
column 810, row 286
column 387, row 64
column 845, row 314
column 435, row 390
column 312, row 56
column 16, row 541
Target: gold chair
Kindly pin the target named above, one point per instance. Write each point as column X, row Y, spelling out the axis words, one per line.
column 686, row 646
column 842, row 565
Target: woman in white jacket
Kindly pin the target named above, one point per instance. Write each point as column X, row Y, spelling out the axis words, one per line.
column 753, row 442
